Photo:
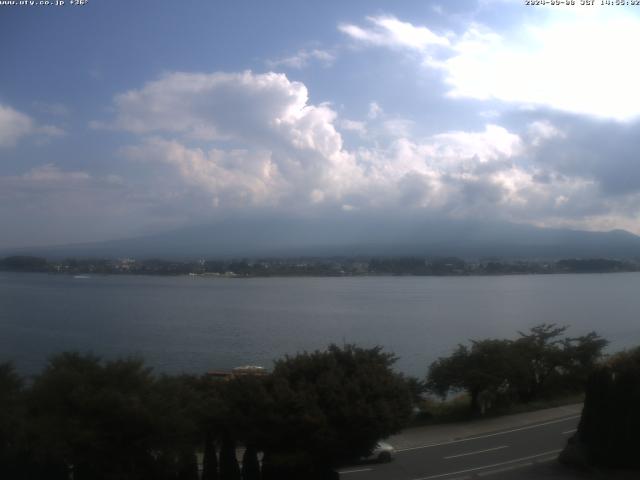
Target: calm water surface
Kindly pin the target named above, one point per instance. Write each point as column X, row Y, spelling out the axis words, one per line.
column 196, row 324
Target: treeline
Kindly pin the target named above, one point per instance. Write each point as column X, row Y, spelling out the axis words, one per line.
column 315, row 266
column 497, row 373
column 545, row 364
column 85, row 418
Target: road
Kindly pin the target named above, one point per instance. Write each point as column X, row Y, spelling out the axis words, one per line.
column 473, row 457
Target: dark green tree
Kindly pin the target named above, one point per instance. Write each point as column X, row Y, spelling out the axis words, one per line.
column 92, row 417
column 582, row 355
column 537, row 356
column 229, row 468
column 250, row 464
column 331, row 406
column 11, row 422
column 177, row 405
column 245, row 400
column 482, row 370
column 500, row 371
column 210, row 459
column 240, row 403
column 608, row 429
column 187, row 466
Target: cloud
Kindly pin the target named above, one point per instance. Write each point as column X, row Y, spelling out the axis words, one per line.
column 51, row 131
column 48, row 204
column 483, row 174
column 487, row 173
column 285, row 151
column 49, row 173
column 605, row 152
column 375, row 110
column 388, row 31
column 397, row 127
column 302, row 58
column 491, row 144
column 233, row 178
column 13, row 126
column 226, row 106
column 284, row 147
column 578, row 170
column 353, row 126
column 43, row 205
column 543, row 130
column 572, row 62
column 238, row 141
column 288, row 152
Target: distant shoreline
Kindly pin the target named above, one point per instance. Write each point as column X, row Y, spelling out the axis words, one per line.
column 317, row 267
column 88, row 275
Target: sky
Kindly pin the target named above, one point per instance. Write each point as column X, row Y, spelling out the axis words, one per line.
column 122, row 118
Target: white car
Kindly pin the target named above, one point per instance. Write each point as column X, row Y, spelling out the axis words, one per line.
column 382, row 452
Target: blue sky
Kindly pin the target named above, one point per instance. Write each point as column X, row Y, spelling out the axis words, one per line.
column 124, row 118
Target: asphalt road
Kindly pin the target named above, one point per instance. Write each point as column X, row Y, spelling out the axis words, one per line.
column 491, row 454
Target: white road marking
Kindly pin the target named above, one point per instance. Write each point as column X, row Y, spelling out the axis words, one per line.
column 355, row 471
column 476, row 452
column 450, row 442
column 569, row 432
column 522, row 459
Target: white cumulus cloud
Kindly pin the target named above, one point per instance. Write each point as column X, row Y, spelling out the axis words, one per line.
column 388, row 31
column 245, row 140
column 13, row 126
column 284, row 147
column 573, row 63
column 568, row 61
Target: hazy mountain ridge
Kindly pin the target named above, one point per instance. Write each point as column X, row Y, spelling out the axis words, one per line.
column 355, row 236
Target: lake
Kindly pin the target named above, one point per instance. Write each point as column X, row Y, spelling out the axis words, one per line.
column 195, row 324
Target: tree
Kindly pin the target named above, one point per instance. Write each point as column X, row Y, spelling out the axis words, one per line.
column 187, row 466
column 482, row 370
column 244, row 400
column 177, row 405
column 11, row 421
column 502, row 370
column 545, row 363
column 332, row 406
column 582, row 355
column 210, row 459
column 229, row 468
column 538, row 354
column 608, row 431
column 416, row 389
column 24, row 263
column 93, row 417
column 250, row 464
